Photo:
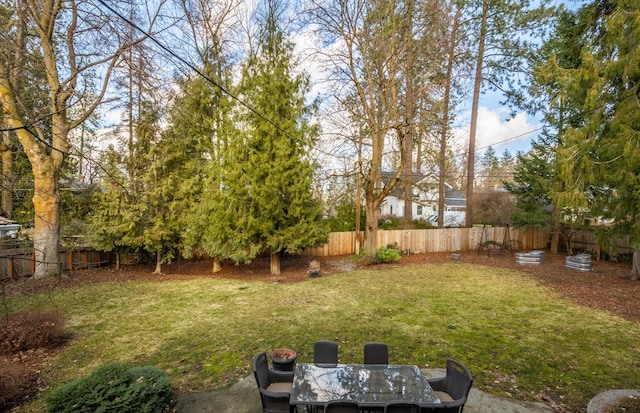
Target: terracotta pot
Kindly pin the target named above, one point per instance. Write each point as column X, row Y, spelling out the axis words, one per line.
column 283, row 359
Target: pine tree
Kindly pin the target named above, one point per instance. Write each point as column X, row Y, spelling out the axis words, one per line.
column 265, row 202
column 123, row 210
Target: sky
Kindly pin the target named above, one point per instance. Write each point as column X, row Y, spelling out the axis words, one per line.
column 495, row 127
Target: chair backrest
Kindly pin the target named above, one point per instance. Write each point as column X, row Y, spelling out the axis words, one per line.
column 325, row 353
column 376, row 353
column 401, row 406
column 341, row 406
column 273, row 400
column 456, row 384
column 458, row 380
column 261, row 370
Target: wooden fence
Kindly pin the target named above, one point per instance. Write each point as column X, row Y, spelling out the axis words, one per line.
column 586, row 241
column 20, row 262
column 419, row 241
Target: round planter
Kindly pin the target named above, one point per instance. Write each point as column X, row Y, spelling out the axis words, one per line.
column 283, row 359
column 455, row 257
column 606, row 400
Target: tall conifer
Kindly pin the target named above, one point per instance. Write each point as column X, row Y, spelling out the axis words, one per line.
column 265, row 203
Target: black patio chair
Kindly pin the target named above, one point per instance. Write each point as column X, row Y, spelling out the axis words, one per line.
column 401, row 406
column 376, row 353
column 274, row 386
column 325, row 353
column 452, row 389
column 341, row 406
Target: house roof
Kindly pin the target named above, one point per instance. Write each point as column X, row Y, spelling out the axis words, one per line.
column 452, row 197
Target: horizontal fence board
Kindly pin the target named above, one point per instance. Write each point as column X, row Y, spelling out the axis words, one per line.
column 586, row 241
column 20, row 262
column 420, row 241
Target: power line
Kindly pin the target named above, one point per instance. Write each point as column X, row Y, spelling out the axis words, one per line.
column 511, row 138
column 192, row 67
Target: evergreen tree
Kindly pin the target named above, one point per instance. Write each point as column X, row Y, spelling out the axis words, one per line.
column 265, row 202
column 594, row 84
column 532, row 180
column 601, row 158
column 160, row 197
column 114, row 224
column 202, row 116
column 489, row 168
column 192, row 148
column 124, row 208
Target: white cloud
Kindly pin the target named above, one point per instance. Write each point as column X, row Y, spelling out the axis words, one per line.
column 496, row 128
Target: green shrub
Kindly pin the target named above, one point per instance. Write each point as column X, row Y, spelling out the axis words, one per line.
column 32, row 330
column 114, row 388
column 387, row 255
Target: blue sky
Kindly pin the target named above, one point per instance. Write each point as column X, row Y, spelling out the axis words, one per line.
column 497, row 128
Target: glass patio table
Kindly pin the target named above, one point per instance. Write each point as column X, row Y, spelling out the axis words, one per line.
column 368, row 384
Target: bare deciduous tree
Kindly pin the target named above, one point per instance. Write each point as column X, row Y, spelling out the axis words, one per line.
column 374, row 49
column 73, row 41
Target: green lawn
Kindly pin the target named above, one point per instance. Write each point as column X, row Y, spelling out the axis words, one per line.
column 518, row 339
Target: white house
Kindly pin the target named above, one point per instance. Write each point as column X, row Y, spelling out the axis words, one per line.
column 8, row 228
column 425, row 202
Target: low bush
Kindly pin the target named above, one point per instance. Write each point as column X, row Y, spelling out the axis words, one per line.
column 387, row 255
column 114, row 388
column 38, row 329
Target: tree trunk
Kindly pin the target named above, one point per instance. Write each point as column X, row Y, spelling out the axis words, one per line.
column 555, row 242
column 358, row 197
column 409, row 116
column 46, row 231
column 7, row 175
column 158, row 269
column 444, row 133
column 471, row 159
column 216, row 265
column 635, row 269
column 46, row 169
column 275, row 263
column 117, row 261
column 371, row 229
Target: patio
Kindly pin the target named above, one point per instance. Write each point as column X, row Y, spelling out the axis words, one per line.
column 243, row 397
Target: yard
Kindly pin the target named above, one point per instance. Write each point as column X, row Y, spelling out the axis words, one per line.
column 529, row 332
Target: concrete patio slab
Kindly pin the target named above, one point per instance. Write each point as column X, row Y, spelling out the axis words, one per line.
column 243, row 397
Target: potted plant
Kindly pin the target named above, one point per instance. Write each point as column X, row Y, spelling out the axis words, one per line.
column 283, row 359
